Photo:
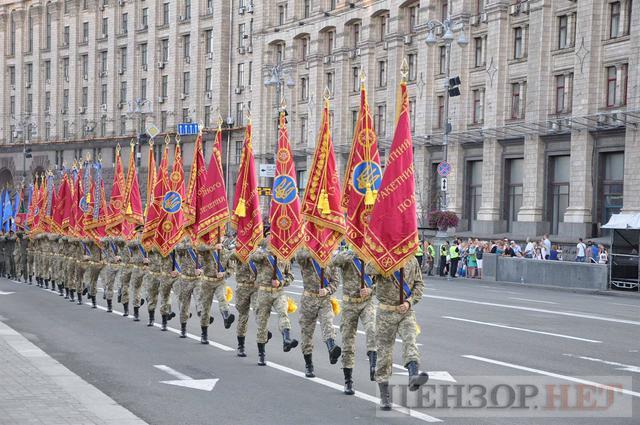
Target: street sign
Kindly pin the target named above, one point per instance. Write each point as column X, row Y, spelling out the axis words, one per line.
column 267, row 170
column 153, row 131
column 444, row 168
column 187, row 128
column 443, row 184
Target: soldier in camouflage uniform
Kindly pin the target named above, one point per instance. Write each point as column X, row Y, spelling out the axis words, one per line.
column 109, row 271
column 246, row 296
column 397, row 318
column 18, row 256
column 271, row 283
column 30, row 244
column 315, row 305
column 151, row 282
column 94, row 264
column 123, row 276
column 215, row 273
column 51, row 246
column 3, row 244
column 9, row 254
column 60, row 263
column 169, row 276
column 357, row 305
column 80, row 251
column 190, row 278
column 35, row 251
column 139, row 263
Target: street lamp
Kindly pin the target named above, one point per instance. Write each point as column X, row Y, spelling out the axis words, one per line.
column 24, row 128
column 450, row 84
column 137, row 107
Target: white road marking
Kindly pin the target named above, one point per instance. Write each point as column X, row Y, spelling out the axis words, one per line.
column 364, row 333
column 498, row 325
column 6, row 293
column 532, row 301
column 625, row 367
column 333, row 385
column 554, row 375
column 537, row 310
column 500, row 291
column 434, row 375
column 626, row 305
column 186, row 381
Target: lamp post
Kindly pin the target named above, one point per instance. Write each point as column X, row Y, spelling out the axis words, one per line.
column 278, row 77
column 23, row 128
column 137, row 107
column 448, row 27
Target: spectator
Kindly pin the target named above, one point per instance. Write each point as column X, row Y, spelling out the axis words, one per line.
column 508, row 250
column 547, row 245
column 537, row 252
column 419, row 254
column 581, row 251
column 543, row 249
column 594, row 252
column 431, row 257
column 554, row 253
column 454, row 255
column 528, row 250
column 481, row 247
column 494, row 247
column 517, row 249
column 603, row 255
column 444, row 252
column 472, row 260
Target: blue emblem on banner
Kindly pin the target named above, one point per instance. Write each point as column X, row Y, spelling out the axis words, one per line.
column 284, row 189
column 172, row 202
column 84, row 206
column 367, row 172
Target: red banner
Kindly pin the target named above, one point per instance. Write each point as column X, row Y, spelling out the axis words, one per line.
column 62, row 207
column 247, row 218
column 392, row 236
column 40, row 208
column 95, row 215
column 133, row 213
column 151, row 180
column 321, row 204
column 154, row 211
column 284, row 212
column 362, row 178
column 171, row 229
column 33, row 206
column 115, row 212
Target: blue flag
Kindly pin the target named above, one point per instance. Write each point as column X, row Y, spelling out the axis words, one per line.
column 7, row 212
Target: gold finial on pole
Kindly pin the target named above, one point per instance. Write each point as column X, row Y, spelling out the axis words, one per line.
column 362, row 75
column 167, row 139
column 326, row 94
column 132, row 143
column 177, row 139
column 283, row 103
column 404, row 70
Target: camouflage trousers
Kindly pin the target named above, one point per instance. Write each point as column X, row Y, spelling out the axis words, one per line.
column 90, row 279
column 122, row 282
column 185, row 292
column 151, row 283
column 352, row 313
column 108, row 277
column 267, row 300
column 58, row 269
column 205, row 292
column 46, row 266
column 19, row 268
column 29, row 266
column 165, row 294
column 78, row 274
column 221, row 297
column 137, row 277
column 314, row 309
column 389, row 325
column 246, row 297
column 10, row 264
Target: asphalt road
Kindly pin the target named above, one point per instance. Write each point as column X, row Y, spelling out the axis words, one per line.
column 478, row 333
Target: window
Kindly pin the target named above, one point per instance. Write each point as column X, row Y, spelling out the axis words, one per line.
column 331, row 41
column 239, row 114
column 304, row 129
column 103, row 61
column 12, row 75
column 65, row 36
column 123, row 92
column 164, row 89
column 611, row 184
column 412, row 113
column 440, row 111
column 279, row 52
column 238, row 154
column 249, row 74
column 105, row 27
column 355, row 79
column 103, row 94
column 186, row 82
column 164, row 50
column 65, row 101
column 47, row 102
column 383, row 25
column 474, row 190
column 185, row 115
column 208, row 41
column 241, row 35
column 124, row 23
column 163, row 123
column 85, row 32
column 412, row 59
column 187, row 10
column 304, row 48
column 332, row 4
column 47, row 130
column 65, row 68
column 329, row 82
column 517, row 100
column 282, row 14
column 442, row 62
column 518, row 43
column 143, row 56
column 478, row 106
column 12, row 106
column 617, row 85
column 84, row 60
column 30, row 34
column 48, row 22
column 12, row 36
column 563, row 31
column 478, row 46
column 479, row 6
column 355, row 32
column 47, row 70
column 186, row 45
column 85, row 97
column 29, row 106
column 614, row 19
column 143, row 89
column 306, row 8
column 144, row 18
column 413, row 17
column 123, row 125
column 207, row 116
column 29, row 73
column 207, row 79
column 381, row 119
column 240, row 75
column 304, row 88
column 564, row 87
column 123, row 58
column 165, row 13
column 559, row 167
column 382, row 73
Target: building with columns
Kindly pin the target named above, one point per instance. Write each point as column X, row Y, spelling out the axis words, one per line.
column 543, row 137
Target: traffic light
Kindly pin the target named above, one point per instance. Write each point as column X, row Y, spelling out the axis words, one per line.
column 27, row 153
column 454, row 90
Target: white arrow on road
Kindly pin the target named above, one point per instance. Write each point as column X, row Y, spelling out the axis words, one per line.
column 186, row 381
column 434, row 375
column 6, row 293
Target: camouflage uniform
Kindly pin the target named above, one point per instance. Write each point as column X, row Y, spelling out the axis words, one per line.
column 140, row 268
column 246, row 297
column 3, row 265
column 123, row 276
column 272, row 297
column 30, row 258
column 79, row 261
column 187, row 281
column 211, row 285
column 9, row 255
column 391, row 322
column 108, row 273
column 151, row 282
column 167, row 280
column 60, row 263
column 18, row 256
column 94, row 265
column 315, row 307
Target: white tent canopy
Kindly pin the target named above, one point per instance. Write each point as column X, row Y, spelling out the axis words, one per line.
column 623, row 221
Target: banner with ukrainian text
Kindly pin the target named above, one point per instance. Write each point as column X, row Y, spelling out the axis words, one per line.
column 171, row 229
column 115, row 214
column 154, row 211
column 133, row 213
column 392, row 236
column 363, row 177
column 284, row 211
column 247, row 218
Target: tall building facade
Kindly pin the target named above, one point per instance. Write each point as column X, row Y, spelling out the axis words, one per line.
column 543, row 136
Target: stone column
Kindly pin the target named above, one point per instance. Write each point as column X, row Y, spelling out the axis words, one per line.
column 490, row 213
column 577, row 219
column 531, row 217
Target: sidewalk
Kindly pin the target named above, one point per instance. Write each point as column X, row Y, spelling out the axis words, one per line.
column 36, row 389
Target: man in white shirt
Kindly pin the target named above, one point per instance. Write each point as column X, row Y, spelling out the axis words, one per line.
column 547, row 244
column 581, row 249
column 528, row 249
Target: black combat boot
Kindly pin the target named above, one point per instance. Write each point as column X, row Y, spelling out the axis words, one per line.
column 79, row 298
column 38, row 284
column 204, row 335
column 385, row 397
column 46, row 284
column 164, row 322
column 126, row 310
column 85, row 291
column 416, row 378
column 94, row 304
column 183, row 330
column 287, row 342
column 334, row 351
column 261, row 355
column 373, row 358
column 136, row 314
column 66, row 293
column 228, row 319
column 60, row 289
column 30, row 279
column 308, row 366
column 53, row 285
column 170, row 316
column 109, row 306
column 348, row 381
column 72, row 295
column 152, row 314
column 241, row 352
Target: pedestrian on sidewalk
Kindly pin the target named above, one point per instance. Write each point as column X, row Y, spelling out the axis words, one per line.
column 454, row 255
column 581, row 251
column 472, row 260
column 482, row 246
column 547, row 246
column 419, row 254
column 444, row 253
column 528, row 250
column 431, row 257
column 603, row 255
